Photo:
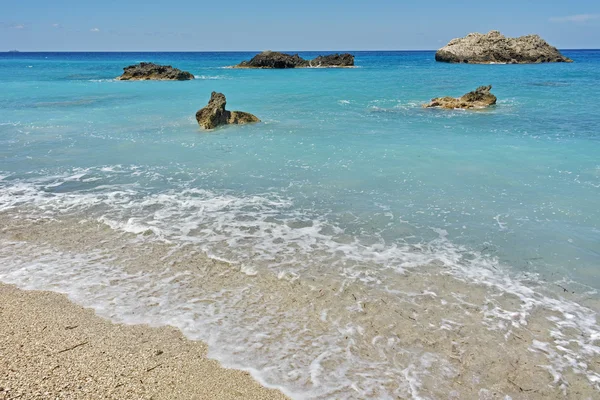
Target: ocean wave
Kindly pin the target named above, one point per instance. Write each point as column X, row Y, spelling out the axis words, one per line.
column 326, row 312
column 212, row 77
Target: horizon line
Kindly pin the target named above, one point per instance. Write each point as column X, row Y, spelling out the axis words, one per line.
column 236, row 51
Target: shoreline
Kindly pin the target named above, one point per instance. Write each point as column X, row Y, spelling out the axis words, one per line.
column 352, row 247
column 279, row 325
column 53, row 348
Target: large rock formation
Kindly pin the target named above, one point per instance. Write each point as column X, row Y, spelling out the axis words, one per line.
column 493, row 47
column 150, row 71
column 215, row 114
column 479, row 98
column 274, row 59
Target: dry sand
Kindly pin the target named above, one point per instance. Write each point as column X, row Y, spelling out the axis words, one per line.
column 51, row 348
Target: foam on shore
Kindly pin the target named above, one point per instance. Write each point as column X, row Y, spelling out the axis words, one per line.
column 297, row 300
column 53, row 348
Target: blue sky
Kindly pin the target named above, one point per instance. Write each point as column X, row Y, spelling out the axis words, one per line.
column 186, row 25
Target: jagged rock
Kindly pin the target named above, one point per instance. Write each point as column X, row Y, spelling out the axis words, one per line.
column 493, row 47
column 479, row 98
column 150, row 71
column 215, row 114
column 333, row 60
column 274, row 59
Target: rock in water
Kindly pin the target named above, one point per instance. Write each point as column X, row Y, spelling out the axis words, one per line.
column 333, row 60
column 215, row 114
column 154, row 72
column 479, row 98
column 477, row 48
column 276, row 60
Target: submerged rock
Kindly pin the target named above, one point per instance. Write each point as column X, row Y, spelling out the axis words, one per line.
column 155, row 72
column 493, row 47
column 215, row 114
column 276, row 60
column 479, row 98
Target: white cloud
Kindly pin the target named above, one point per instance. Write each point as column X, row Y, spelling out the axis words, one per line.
column 576, row 18
column 56, row 25
column 18, row 26
column 94, row 30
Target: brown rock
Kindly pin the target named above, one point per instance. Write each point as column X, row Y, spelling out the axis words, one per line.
column 276, row 60
column 215, row 114
column 333, row 60
column 154, row 72
column 479, row 98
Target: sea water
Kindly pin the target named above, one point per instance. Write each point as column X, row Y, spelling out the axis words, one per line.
column 351, row 245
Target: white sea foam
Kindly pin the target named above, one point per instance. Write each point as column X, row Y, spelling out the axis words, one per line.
column 267, row 232
column 212, row 77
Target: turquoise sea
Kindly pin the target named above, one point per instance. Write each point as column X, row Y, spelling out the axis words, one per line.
column 461, row 229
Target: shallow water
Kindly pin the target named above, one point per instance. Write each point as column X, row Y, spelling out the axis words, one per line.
column 373, row 248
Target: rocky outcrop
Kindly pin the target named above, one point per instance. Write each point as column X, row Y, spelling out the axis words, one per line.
column 493, row 47
column 154, row 72
column 215, row 114
column 479, row 98
column 276, row 60
column 333, row 60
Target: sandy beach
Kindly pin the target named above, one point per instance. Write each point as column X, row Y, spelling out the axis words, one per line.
column 51, row 348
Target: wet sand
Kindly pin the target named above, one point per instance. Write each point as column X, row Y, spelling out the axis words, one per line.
column 51, row 348
column 430, row 332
